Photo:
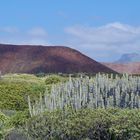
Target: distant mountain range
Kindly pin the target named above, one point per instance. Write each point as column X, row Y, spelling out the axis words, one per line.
column 128, row 63
column 128, row 58
column 47, row 59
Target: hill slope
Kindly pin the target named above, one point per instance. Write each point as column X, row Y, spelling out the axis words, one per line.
column 48, row 59
column 131, row 68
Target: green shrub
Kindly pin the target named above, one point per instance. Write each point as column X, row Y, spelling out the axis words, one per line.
column 97, row 124
column 19, row 118
column 53, row 79
column 13, row 96
column 9, row 125
column 3, row 121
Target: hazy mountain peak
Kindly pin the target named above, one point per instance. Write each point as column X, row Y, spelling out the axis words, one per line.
column 129, row 57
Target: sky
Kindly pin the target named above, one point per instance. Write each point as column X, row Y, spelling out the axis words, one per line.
column 101, row 29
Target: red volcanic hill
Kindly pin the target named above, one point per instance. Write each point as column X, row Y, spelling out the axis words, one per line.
column 130, row 68
column 48, row 59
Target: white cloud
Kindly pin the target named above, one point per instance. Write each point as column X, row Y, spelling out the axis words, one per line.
column 110, row 40
column 103, row 43
column 13, row 35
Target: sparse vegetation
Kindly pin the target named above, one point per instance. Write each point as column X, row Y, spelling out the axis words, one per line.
column 101, row 107
column 101, row 91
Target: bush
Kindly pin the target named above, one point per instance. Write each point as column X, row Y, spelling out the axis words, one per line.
column 19, row 118
column 53, row 79
column 3, row 121
column 13, row 96
column 110, row 124
column 8, row 125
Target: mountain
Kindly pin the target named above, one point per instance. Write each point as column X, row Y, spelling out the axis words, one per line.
column 129, row 57
column 131, row 68
column 48, row 59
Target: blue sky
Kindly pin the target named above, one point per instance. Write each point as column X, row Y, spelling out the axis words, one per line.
column 101, row 29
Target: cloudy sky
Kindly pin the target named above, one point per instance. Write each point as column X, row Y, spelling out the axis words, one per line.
column 101, row 29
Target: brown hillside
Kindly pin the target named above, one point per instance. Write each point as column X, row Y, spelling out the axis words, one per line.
column 48, row 59
column 131, row 68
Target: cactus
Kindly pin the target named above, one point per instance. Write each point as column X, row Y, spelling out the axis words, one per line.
column 101, row 91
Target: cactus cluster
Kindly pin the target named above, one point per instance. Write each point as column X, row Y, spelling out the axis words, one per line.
column 100, row 91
